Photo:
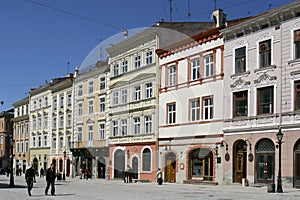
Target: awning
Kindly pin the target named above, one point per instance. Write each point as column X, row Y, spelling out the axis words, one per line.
column 90, row 152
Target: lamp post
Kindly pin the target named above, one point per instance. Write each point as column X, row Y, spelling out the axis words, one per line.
column 11, row 182
column 64, row 172
column 279, row 136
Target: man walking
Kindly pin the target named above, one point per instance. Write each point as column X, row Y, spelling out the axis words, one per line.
column 50, row 178
column 30, row 177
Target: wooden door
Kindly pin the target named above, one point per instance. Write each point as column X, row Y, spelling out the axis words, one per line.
column 170, row 169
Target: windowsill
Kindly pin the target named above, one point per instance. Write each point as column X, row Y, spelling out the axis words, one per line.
column 294, row 62
column 240, row 74
column 265, row 69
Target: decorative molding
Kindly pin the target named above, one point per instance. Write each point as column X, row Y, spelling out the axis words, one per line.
column 239, row 84
column 265, row 79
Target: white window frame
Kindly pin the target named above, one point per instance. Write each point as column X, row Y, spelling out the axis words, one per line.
column 148, row 124
column 137, row 93
column 195, row 69
column 124, row 95
column 208, row 69
column 172, row 75
column 149, row 90
column 124, row 128
column 137, row 125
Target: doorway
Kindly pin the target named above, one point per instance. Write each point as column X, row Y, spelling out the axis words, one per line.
column 119, row 164
column 101, row 168
column 170, row 168
column 135, row 168
column 240, row 161
column 297, row 165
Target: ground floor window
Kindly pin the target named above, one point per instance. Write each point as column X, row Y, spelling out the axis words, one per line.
column 201, row 164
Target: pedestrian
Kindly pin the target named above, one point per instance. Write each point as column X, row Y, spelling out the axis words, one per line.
column 127, row 171
column 159, row 176
column 30, row 178
column 41, row 172
column 50, row 179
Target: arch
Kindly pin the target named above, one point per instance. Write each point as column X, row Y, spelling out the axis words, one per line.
column 35, row 164
column 135, row 167
column 201, row 165
column 146, row 159
column 170, row 167
column 239, row 161
column 119, row 163
column 297, row 164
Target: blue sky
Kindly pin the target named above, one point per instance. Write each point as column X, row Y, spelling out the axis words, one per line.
column 45, row 39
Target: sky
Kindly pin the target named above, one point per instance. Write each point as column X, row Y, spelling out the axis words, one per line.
column 45, row 39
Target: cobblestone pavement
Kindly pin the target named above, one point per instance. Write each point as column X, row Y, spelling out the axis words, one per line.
column 98, row 189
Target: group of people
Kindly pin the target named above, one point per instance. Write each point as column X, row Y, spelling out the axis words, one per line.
column 50, row 179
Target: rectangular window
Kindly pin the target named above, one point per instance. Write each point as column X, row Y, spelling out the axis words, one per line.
column 33, row 141
column 172, row 75
column 137, row 93
column 45, row 140
column 102, row 83
column 265, row 54
column 116, row 69
column 102, row 104
column 209, row 65
column 40, row 103
column 148, row 124
column 69, row 99
column 124, row 127
column 240, row 60
column 297, row 43
column 171, row 113
column 124, row 66
column 124, row 96
column 90, row 135
column 195, row 69
column 79, row 90
column 91, row 106
column 207, row 108
column 46, row 101
column 297, row 95
column 68, row 142
column 79, row 134
column 34, row 122
column 79, row 109
column 101, row 131
column 39, row 141
column 137, row 61
column 61, row 145
column 54, row 122
column 61, row 121
column 195, row 110
column 26, row 147
column 137, row 125
column 149, row 57
column 91, row 87
column 55, row 104
column 149, row 90
column 69, row 120
column 116, row 98
column 265, row 100
column 115, row 128
column 240, row 104
column 54, row 143
column 61, row 102
column 39, row 121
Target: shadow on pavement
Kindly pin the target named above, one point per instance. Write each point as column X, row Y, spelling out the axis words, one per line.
column 3, row 185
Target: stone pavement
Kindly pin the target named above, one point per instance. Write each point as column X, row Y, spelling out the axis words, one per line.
column 75, row 189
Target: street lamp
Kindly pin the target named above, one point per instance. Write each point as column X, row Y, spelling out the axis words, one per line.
column 279, row 136
column 64, row 173
column 11, row 182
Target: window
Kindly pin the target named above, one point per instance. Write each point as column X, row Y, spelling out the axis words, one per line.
column 22, row 147
column 39, row 121
column 240, row 60
column 102, row 83
column 101, row 131
column 146, row 159
column 46, row 101
column 195, row 110
column 116, row 98
column 116, row 69
column 33, row 141
column 79, row 109
column 265, row 54
column 68, row 142
column 137, row 125
column 91, row 106
column 149, row 90
column 34, row 105
column 54, row 122
column 102, row 104
column 40, row 103
column 137, row 61
column 90, row 135
column 69, row 120
column 45, row 140
column 79, row 90
column 61, row 102
column 207, row 108
column 79, row 134
column 195, row 71
column 124, row 96
column 172, row 75
column 69, row 99
column 61, row 139
column 124, row 127
column 124, row 66
column 61, row 121
column 148, row 124
column 91, row 87
column 240, row 104
column 171, row 113
column 137, row 93
column 115, row 128
column 39, row 141
column 34, row 122
column 265, row 100
column 54, row 143
column 297, row 43
column 18, row 147
column 149, row 57
column 297, row 95
column 26, row 147
column 55, row 104
column 209, row 65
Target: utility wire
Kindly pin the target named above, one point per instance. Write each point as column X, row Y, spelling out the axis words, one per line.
column 75, row 15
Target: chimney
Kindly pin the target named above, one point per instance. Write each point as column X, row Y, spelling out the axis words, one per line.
column 219, row 18
column 76, row 71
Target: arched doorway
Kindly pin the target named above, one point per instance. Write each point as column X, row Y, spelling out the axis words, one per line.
column 201, row 164
column 239, row 161
column 119, row 164
column 297, row 165
column 101, row 168
column 170, row 167
column 265, row 161
column 135, row 168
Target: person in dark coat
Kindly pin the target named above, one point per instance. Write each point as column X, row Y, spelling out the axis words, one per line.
column 30, row 178
column 159, row 176
column 50, row 178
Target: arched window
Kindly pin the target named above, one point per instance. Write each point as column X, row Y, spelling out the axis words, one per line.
column 146, row 160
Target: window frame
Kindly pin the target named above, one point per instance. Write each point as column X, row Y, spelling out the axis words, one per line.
column 208, row 66
column 172, row 75
column 195, row 110
column 171, row 113
column 239, row 96
column 241, row 59
column 271, row 103
column 195, row 69
column 209, row 107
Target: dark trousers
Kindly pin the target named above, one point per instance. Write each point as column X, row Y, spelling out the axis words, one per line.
column 29, row 182
column 52, row 187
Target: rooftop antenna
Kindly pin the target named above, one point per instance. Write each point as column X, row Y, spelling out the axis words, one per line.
column 171, row 10
column 189, row 11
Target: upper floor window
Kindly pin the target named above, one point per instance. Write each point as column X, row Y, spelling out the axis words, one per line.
column 172, row 75
column 148, row 57
column 195, row 109
column 80, row 90
column 265, row 100
column 79, row 134
column 91, row 106
column 102, row 104
column 54, row 122
column 240, row 104
column 102, row 83
column 207, row 108
column 124, row 96
column 171, row 113
column 240, row 60
column 61, row 102
column 46, row 101
column 45, row 121
column 148, row 124
column 124, row 66
column 69, row 99
column 137, row 93
column 297, row 43
column 91, row 87
column 102, row 131
column 45, row 140
column 124, row 127
column 34, row 105
column 297, row 95
column 61, row 121
column 40, row 103
column 55, row 104
column 116, row 98
column 195, row 69
column 149, row 90
column 69, row 120
column 137, row 125
column 116, row 69
column 209, row 65
column 265, row 54
column 79, row 109
column 137, row 61
column 90, row 135
column 115, row 128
